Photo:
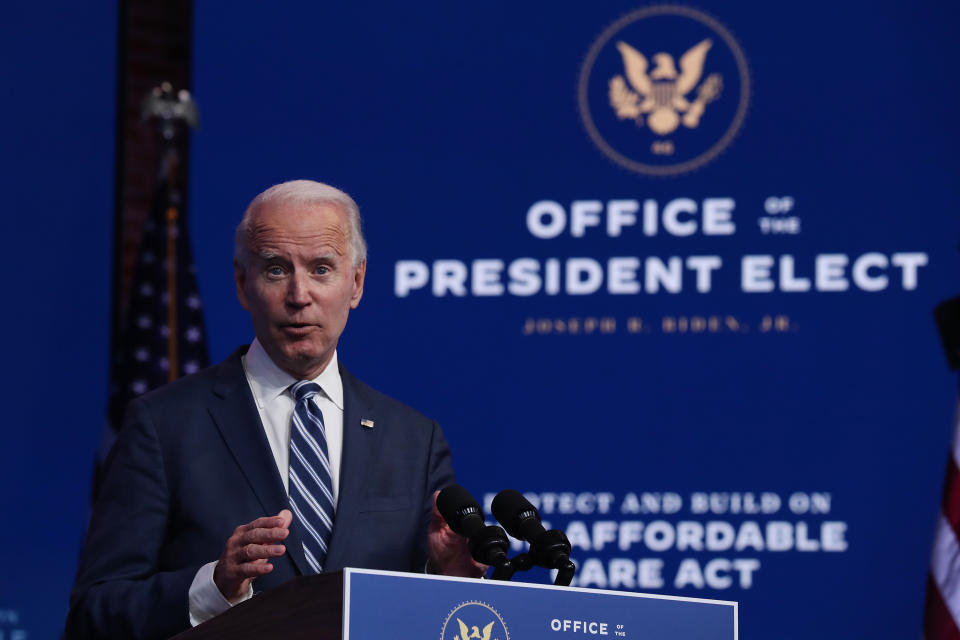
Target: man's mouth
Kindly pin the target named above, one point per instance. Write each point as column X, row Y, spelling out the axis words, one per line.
column 297, row 328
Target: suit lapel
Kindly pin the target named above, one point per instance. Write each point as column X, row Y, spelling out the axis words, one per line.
column 360, row 446
column 235, row 413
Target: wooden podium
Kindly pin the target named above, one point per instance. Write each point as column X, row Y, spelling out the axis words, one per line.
column 306, row 607
column 361, row 604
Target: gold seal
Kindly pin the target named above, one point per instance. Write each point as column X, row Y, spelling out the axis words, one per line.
column 666, row 95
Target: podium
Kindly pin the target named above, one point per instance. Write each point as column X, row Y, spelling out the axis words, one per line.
column 362, row 604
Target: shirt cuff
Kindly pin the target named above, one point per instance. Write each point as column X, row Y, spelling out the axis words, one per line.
column 206, row 601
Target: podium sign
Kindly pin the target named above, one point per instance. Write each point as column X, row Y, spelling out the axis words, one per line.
column 377, row 603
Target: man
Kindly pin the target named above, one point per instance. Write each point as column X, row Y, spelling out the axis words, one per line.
column 274, row 463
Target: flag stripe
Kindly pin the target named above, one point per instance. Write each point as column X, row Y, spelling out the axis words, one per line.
column 951, row 495
column 945, row 566
column 938, row 624
column 942, row 612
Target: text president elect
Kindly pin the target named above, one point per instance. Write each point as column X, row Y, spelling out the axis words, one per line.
column 212, row 451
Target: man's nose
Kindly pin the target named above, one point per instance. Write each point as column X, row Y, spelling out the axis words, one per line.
column 298, row 293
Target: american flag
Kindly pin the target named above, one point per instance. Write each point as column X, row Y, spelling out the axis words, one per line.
column 162, row 337
column 942, row 617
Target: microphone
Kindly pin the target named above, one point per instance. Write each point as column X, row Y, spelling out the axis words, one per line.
column 549, row 549
column 520, row 518
column 488, row 544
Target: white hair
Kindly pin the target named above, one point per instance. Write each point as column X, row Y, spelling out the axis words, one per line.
column 303, row 193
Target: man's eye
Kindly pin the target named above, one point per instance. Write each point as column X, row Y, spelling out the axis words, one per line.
column 323, row 269
column 275, row 271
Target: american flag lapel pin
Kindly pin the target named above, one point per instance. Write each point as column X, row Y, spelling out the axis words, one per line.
column 366, row 423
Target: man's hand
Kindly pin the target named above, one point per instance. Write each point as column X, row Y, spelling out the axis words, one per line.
column 449, row 554
column 247, row 553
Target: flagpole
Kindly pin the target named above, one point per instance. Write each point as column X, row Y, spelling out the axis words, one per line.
column 173, row 113
column 173, row 336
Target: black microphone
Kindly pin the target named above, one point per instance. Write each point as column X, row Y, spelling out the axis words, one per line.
column 520, row 518
column 549, row 549
column 488, row 544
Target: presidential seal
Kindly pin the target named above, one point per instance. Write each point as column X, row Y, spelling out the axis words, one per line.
column 664, row 90
column 474, row 620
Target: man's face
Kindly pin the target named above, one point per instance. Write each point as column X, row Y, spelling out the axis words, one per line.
column 299, row 284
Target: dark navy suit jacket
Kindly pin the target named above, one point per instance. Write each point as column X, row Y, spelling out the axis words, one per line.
column 192, row 462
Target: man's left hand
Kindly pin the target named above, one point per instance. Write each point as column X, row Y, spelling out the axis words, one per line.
column 448, row 551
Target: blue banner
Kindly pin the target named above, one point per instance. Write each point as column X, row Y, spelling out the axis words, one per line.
column 667, row 269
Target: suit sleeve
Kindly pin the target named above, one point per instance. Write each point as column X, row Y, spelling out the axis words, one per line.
column 440, row 471
column 439, row 475
column 121, row 589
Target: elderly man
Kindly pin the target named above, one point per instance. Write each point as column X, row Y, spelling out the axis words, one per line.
column 276, row 462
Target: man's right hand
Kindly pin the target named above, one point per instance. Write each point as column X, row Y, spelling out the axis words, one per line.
column 247, row 553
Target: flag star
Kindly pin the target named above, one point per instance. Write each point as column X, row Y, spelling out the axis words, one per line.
column 146, row 289
column 173, row 231
column 142, row 354
column 164, row 330
column 164, row 364
column 144, row 322
column 193, row 302
column 138, row 386
column 190, row 367
column 193, row 334
column 164, row 297
column 148, row 257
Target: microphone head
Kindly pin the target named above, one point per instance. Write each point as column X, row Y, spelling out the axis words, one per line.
column 520, row 518
column 460, row 510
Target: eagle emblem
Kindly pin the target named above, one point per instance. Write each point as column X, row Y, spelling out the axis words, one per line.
column 663, row 94
column 466, row 634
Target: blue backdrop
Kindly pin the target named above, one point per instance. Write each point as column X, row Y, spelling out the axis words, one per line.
column 58, row 96
column 700, row 337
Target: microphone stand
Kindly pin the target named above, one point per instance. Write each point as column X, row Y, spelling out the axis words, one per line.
column 505, row 571
column 551, row 550
column 565, row 574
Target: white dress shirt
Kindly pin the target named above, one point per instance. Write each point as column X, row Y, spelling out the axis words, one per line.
column 270, row 387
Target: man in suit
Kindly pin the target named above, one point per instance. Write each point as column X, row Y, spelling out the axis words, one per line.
column 203, row 500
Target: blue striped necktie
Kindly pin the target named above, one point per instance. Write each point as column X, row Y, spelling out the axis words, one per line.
column 310, row 486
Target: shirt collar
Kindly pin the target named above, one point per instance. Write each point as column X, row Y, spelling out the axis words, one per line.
column 270, row 381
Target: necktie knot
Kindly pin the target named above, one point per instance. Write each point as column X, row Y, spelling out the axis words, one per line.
column 304, row 390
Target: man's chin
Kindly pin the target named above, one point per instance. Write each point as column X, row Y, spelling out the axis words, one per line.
column 304, row 360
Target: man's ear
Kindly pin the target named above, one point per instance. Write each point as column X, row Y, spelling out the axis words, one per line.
column 240, row 279
column 358, row 277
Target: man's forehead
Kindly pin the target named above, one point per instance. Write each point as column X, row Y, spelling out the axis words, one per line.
column 325, row 223
column 292, row 213
column 269, row 252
